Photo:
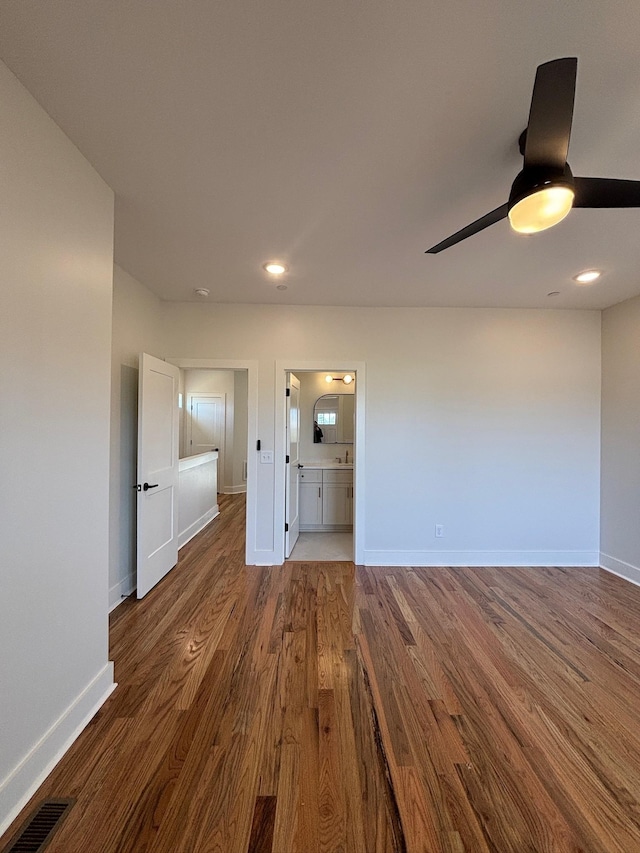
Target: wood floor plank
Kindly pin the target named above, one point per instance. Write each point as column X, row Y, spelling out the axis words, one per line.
column 261, row 840
column 322, row 707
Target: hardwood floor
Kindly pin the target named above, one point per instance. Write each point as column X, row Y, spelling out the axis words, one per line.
column 319, row 707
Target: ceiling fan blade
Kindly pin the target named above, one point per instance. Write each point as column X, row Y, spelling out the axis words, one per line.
column 479, row 225
column 606, row 192
column 551, row 114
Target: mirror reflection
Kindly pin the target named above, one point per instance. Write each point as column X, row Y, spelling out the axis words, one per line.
column 333, row 419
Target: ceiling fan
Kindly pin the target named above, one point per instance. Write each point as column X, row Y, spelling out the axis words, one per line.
column 545, row 190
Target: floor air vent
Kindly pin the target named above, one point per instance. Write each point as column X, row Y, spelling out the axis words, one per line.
column 34, row 836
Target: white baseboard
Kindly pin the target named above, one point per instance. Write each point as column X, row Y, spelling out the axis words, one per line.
column 121, row 590
column 234, row 490
column 20, row 785
column 620, row 568
column 481, row 558
column 197, row 525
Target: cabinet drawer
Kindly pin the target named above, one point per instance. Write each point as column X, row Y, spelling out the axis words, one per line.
column 308, row 475
column 332, row 476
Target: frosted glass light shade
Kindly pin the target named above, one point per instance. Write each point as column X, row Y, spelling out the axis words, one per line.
column 541, row 209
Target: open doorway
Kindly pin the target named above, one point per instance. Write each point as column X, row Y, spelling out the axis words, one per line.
column 214, row 416
column 228, row 394
column 321, row 449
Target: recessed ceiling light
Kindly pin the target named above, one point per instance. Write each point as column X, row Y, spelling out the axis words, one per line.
column 201, row 291
column 554, row 293
column 587, row 276
column 275, row 268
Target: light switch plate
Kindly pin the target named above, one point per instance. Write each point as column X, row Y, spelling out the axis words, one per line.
column 266, row 457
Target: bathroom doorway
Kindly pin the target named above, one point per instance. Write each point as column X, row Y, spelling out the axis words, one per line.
column 321, row 484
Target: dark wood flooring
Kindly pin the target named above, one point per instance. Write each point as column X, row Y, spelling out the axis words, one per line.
column 320, row 707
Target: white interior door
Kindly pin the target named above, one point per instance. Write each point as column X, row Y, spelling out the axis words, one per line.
column 157, row 545
column 292, row 491
column 206, row 422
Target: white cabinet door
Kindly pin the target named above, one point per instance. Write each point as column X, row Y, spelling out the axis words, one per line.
column 336, row 503
column 310, row 503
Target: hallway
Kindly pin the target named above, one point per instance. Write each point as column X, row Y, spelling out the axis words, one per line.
column 316, row 707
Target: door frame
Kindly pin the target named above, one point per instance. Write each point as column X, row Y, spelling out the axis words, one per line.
column 320, row 365
column 293, row 529
column 252, row 556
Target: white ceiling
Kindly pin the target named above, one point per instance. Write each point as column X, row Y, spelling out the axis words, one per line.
column 344, row 137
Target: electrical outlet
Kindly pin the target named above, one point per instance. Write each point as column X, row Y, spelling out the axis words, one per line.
column 439, row 531
column 266, row 457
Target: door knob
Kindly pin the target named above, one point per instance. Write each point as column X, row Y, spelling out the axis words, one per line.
column 146, row 487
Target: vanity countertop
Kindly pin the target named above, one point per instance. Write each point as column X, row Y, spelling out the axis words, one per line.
column 348, row 466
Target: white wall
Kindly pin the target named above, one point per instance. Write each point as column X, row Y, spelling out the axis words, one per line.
column 620, row 499
column 56, row 265
column 197, row 494
column 136, row 329
column 312, row 386
column 485, row 421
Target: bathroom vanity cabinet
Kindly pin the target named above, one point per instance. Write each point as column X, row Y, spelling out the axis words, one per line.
column 326, row 498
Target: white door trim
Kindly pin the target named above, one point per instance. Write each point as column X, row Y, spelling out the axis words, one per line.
column 327, row 365
column 292, row 525
column 252, row 556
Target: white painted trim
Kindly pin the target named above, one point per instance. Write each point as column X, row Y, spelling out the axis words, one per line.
column 121, row 590
column 197, row 525
column 481, row 558
column 329, row 366
column 198, row 459
column 234, row 490
column 620, row 568
column 251, row 366
column 17, row 788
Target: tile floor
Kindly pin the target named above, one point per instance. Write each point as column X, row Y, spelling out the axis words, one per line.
column 323, row 546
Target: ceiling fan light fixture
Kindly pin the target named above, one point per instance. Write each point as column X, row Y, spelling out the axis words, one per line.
column 541, row 210
column 539, row 200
